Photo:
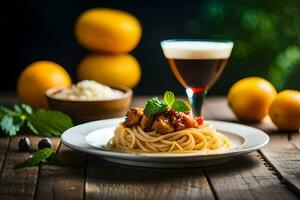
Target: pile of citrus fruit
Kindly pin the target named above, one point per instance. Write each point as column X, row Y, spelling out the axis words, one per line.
column 254, row 98
column 110, row 34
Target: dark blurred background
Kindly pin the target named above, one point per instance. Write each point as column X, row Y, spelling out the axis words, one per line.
column 266, row 35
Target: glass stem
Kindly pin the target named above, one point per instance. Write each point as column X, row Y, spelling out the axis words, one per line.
column 196, row 100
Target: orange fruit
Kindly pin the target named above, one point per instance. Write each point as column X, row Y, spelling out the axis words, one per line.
column 38, row 77
column 110, row 69
column 285, row 110
column 108, row 30
column 250, row 98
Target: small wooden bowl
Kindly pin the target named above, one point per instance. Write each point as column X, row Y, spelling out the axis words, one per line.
column 84, row 111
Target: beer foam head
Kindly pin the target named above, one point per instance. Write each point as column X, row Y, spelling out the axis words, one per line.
column 180, row 49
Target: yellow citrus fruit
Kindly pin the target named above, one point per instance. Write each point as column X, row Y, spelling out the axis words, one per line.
column 110, row 69
column 108, row 30
column 250, row 98
column 285, row 110
column 38, row 77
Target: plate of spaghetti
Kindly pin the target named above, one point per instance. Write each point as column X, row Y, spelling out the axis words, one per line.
column 169, row 132
column 163, row 135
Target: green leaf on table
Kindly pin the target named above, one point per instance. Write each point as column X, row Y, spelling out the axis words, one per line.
column 49, row 123
column 154, row 106
column 36, row 158
column 169, row 98
column 10, row 125
column 180, row 106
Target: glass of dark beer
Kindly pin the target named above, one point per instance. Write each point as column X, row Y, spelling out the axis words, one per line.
column 197, row 65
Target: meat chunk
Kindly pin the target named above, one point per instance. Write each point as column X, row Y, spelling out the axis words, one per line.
column 189, row 121
column 162, row 124
column 177, row 122
column 182, row 121
column 147, row 122
column 179, row 126
column 133, row 117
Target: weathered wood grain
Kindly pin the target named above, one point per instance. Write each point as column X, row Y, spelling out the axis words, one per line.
column 107, row 180
column 284, row 157
column 295, row 138
column 282, row 153
column 247, row 177
column 4, row 143
column 63, row 182
column 18, row 183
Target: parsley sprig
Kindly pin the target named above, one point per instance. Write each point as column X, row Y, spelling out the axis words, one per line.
column 156, row 105
column 41, row 122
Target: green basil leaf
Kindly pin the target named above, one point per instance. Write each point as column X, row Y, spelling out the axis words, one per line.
column 154, row 106
column 37, row 157
column 169, row 98
column 49, row 123
column 180, row 106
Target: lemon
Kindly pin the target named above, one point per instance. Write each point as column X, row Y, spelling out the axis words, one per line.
column 108, row 30
column 250, row 98
column 285, row 110
column 110, row 69
column 38, row 77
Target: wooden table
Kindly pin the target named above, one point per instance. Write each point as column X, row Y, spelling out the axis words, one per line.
column 271, row 173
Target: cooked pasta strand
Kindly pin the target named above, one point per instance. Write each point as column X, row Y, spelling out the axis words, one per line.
column 136, row 140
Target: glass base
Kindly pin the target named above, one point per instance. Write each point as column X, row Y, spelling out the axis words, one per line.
column 196, row 100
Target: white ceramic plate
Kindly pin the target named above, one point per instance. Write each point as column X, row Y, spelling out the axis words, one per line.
column 92, row 137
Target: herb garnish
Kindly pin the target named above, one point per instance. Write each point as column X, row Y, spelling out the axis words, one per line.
column 39, row 156
column 42, row 122
column 156, row 105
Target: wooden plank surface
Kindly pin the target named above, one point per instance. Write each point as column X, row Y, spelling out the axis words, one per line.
column 284, row 157
column 4, row 143
column 18, row 183
column 63, row 182
column 295, row 139
column 107, row 180
column 246, row 177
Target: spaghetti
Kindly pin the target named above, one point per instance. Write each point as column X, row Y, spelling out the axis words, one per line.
column 135, row 140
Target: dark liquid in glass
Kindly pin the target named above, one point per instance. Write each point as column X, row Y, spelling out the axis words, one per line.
column 197, row 74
